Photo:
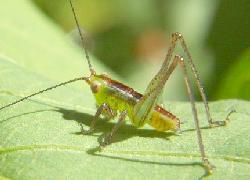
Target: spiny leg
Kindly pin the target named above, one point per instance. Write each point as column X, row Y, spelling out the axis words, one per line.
column 178, row 37
column 180, row 60
column 106, row 139
column 154, row 83
column 162, row 76
column 144, row 107
column 99, row 111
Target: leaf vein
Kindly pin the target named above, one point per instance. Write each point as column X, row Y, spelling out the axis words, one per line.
column 138, row 153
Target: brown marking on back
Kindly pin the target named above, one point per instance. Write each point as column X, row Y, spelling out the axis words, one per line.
column 121, row 86
column 138, row 96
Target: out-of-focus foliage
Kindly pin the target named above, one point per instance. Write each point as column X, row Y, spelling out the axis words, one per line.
column 237, row 81
column 229, row 39
column 132, row 37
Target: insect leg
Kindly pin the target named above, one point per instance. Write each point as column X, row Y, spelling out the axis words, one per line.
column 180, row 60
column 144, row 107
column 167, row 73
column 99, row 111
column 178, row 37
column 105, row 140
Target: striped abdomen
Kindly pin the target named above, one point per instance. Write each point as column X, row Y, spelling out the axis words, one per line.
column 162, row 120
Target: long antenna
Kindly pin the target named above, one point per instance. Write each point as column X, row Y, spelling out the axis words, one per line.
column 42, row 91
column 82, row 39
column 66, row 82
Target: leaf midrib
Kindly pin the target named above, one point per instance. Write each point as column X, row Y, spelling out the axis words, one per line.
column 56, row 147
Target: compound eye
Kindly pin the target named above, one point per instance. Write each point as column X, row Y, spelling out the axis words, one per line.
column 95, row 87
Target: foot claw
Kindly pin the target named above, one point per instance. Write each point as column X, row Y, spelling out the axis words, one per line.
column 85, row 132
column 209, row 167
column 105, row 140
column 218, row 123
column 222, row 123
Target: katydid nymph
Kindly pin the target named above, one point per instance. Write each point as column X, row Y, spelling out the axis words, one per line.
column 118, row 100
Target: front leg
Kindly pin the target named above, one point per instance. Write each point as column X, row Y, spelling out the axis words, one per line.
column 99, row 111
column 106, row 139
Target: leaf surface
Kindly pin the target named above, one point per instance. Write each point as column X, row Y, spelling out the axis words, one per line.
column 40, row 138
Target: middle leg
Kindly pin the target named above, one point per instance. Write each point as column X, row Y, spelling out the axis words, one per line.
column 99, row 111
column 106, row 139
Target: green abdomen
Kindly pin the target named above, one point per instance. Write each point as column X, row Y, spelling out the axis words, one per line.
column 120, row 97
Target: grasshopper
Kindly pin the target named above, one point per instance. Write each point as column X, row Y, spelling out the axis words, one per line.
column 116, row 99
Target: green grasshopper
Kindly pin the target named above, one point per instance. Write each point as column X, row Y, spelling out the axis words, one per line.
column 114, row 98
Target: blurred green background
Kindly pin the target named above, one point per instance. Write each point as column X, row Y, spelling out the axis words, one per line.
column 132, row 37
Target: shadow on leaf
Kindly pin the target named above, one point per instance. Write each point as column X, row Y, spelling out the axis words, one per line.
column 103, row 126
column 96, row 152
column 125, row 132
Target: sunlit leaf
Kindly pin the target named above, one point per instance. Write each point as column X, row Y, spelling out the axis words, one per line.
column 40, row 138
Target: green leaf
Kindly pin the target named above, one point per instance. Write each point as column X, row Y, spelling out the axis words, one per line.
column 40, row 138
